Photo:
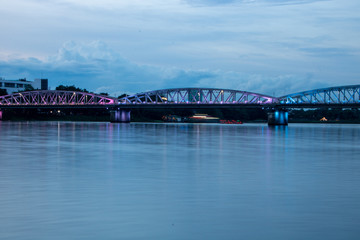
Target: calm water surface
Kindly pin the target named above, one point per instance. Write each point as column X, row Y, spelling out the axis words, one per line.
column 66, row 180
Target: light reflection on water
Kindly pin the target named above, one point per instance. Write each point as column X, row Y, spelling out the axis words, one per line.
column 67, row 180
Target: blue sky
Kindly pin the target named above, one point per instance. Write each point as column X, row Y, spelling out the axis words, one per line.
column 268, row 46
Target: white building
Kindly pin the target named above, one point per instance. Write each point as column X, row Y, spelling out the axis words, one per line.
column 12, row 86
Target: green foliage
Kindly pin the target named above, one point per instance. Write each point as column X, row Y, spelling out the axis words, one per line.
column 71, row 88
column 336, row 114
column 3, row 92
column 28, row 87
column 49, row 114
column 123, row 95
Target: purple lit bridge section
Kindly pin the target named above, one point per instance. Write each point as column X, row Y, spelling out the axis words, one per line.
column 194, row 96
column 190, row 98
column 54, row 97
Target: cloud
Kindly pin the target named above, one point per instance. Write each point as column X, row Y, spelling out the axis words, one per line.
column 97, row 67
column 265, row 46
column 328, row 52
column 226, row 2
column 253, row 36
column 288, row 2
column 209, row 2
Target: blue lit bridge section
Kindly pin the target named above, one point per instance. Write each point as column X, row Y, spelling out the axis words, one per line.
column 341, row 96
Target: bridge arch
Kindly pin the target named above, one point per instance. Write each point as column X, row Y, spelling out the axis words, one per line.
column 345, row 95
column 197, row 96
column 55, row 97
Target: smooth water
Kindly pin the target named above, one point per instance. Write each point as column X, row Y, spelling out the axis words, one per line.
column 76, row 180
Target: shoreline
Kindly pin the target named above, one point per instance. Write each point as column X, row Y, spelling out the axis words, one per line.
column 105, row 119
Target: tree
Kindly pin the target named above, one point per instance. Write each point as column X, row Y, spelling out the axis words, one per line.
column 28, row 87
column 70, row 88
column 3, row 92
column 123, row 95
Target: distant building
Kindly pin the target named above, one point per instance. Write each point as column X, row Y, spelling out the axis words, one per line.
column 12, row 86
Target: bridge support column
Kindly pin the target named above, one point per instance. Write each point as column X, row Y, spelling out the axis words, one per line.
column 120, row 116
column 278, row 117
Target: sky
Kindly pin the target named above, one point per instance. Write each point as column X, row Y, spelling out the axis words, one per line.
column 274, row 47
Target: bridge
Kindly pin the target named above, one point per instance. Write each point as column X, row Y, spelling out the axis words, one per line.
column 190, row 98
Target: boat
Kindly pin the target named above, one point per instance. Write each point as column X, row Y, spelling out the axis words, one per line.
column 231, row 122
column 202, row 118
column 172, row 118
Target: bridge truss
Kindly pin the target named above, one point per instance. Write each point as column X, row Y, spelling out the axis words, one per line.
column 197, row 96
column 54, row 97
column 345, row 96
column 342, row 95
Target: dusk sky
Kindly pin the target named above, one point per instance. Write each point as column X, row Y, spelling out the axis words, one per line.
column 273, row 47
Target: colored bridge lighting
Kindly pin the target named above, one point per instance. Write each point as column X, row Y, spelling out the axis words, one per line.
column 51, row 97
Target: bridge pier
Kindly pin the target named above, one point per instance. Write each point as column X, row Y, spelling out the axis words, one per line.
column 278, row 117
column 120, row 116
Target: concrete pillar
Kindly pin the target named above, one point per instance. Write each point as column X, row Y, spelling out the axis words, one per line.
column 1, row 114
column 278, row 117
column 120, row 116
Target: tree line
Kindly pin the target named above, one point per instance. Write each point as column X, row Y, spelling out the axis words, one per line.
column 28, row 87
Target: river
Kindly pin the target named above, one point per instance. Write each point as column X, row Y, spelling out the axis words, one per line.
column 83, row 180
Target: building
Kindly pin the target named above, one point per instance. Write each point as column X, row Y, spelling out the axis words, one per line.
column 12, row 86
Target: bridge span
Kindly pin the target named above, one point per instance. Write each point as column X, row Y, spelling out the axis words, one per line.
column 186, row 98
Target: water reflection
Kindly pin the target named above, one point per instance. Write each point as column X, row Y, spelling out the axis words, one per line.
column 70, row 180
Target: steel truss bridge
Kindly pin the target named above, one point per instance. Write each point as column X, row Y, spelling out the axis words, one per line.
column 342, row 96
column 193, row 98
